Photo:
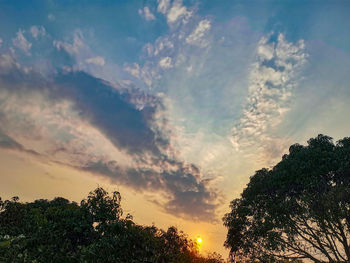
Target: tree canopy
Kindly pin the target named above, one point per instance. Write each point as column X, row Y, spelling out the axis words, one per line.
column 92, row 231
column 299, row 209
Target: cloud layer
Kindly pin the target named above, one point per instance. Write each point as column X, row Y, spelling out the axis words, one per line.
column 78, row 120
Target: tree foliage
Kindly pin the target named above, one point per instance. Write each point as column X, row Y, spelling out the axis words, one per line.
column 299, row 209
column 92, row 231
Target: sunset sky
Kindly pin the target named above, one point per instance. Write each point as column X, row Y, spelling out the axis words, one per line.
column 173, row 103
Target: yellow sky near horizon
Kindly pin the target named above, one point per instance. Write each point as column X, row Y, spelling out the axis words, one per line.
column 31, row 180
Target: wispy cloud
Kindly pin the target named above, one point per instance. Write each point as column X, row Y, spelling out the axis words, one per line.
column 98, row 61
column 165, row 62
column 146, row 13
column 75, row 54
column 163, row 6
column 196, row 37
column 273, row 79
column 22, row 43
column 37, row 31
column 174, row 11
column 71, row 48
column 202, row 101
column 172, row 50
column 51, row 17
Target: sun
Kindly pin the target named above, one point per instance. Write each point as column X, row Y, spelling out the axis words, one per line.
column 199, row 240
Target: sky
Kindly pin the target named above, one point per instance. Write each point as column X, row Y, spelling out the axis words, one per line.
column 173, row 103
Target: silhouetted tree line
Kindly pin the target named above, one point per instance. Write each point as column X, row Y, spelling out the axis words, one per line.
column 92, row 231
column 299, row 209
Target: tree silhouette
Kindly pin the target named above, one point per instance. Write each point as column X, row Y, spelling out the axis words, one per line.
column 94, row 231
column 299, row 209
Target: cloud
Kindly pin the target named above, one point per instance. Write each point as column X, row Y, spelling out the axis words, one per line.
column 74, row 48
column 133, row 70
column 170, row 51
column 273, row 78
column 7, row 64
column 175, row 12
column 147, row 13
column 37, row 31
column 1, row 42
column 76, row 55
column 51, row 17
column 127, row 127
column 162, row 45
column 22, row 43
column 196, row 37
column 202, row 116
column 165, row 62
column 98, row 61
column 160, row 59
column 163, row 6
column 84, row 122
column 7, row 142
column 139, row 73
column 185, row 193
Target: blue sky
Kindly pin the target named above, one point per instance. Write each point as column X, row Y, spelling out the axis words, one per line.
column 180, row 101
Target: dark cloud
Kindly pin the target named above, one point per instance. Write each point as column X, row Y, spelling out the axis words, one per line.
column 128, row 119
column 7, row 142
column 97, row 101
column 187, row 195
column 108, row 109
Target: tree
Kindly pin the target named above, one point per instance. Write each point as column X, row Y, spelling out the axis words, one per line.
column 299, row 209
column 94, row 231
column 47, row 231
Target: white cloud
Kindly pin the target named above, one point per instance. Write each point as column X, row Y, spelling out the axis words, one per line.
column 147, row 13
column 71, row 49
column 162, row 45
column 265, row 51
column 22, row 43
column 85, row 59
column 141, row 73
column 163, row 6
column 98, row 61
column 196, row 37
column 51, row 17
column 177, row 11
column 37, row 31
column 165, row 62
column 149, row 49
column 272, row 81
column 133, row 70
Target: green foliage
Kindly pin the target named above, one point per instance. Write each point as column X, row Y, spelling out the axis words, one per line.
column 299, row 209
column 94, row 231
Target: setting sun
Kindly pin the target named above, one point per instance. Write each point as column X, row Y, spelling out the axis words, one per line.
column 199, row 240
